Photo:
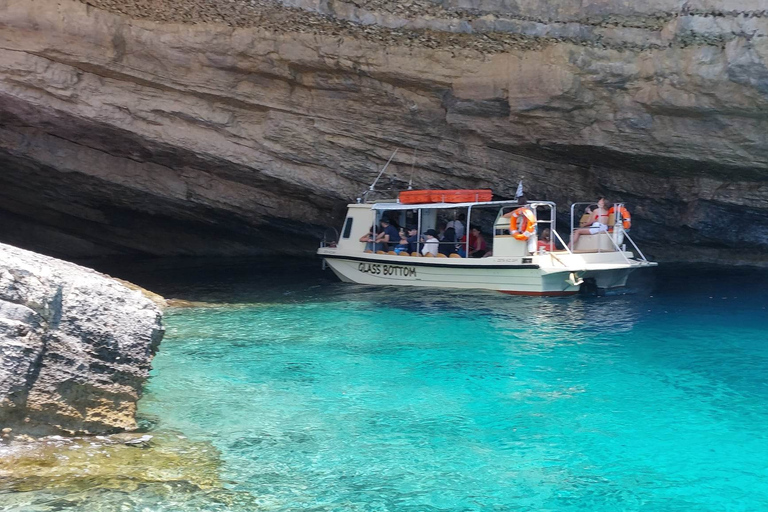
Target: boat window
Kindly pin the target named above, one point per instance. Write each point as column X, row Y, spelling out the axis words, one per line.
column 347, row 228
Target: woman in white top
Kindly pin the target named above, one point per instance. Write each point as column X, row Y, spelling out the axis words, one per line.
column 596, row 222
column 431, row 243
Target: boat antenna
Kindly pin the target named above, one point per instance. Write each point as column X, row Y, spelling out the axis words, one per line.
column 413, row 164
column 373, row 185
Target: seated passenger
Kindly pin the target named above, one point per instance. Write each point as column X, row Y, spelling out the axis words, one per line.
column 477, row 245
column 389, row 235
column 368, row 239
column 448, row 242
column 431, row 243
column 594, row 221
column 545, row 241
column 440, row 230
column 403, row 245
column 413, row 239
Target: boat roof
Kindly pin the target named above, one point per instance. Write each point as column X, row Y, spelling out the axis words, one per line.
column 431, row 206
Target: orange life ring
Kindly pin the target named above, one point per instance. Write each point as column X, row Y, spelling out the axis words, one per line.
column 529, row 224
column 626, row 218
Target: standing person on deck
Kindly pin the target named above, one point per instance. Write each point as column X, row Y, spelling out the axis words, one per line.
column 458, row 225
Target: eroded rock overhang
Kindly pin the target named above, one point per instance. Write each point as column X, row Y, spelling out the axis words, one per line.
column 249, row 133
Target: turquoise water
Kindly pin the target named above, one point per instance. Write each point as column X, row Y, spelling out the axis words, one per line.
column 328, row 396
column 323, row 396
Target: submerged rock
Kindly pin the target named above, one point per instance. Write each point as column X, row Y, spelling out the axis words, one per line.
column 75, row 346
column 107, row 462
column 107, row 473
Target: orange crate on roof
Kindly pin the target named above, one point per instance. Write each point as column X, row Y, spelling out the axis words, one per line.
column 445, row 196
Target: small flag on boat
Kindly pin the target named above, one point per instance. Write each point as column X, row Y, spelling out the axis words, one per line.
column 519, row 189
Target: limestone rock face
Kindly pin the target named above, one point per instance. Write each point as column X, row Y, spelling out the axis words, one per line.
column 75, row 346
column 236, row 127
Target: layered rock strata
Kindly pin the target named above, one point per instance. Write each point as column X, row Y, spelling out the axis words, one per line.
column 238, row 127
column 75, row 346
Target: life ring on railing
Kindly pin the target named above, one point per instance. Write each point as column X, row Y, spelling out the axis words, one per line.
column 529, row 224
column 625, row 216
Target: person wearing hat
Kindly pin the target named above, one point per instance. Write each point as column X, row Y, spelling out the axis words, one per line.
column 389, row 235
column 431, row 243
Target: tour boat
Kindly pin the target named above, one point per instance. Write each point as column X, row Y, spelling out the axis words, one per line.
column 515, row 262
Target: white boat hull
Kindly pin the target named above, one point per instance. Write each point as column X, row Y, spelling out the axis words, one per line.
column 527, row 281
column 539, row 275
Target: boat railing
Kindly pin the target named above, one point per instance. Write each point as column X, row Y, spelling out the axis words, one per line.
column 622, row 250
column 562, row 242
column 616, row 246
column 509, row 204
column 391, row 246
column 551, row 222
column 330, row 237
column 635, row 246
column 573, row 215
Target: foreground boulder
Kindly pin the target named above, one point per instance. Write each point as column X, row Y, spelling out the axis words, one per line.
column 75, row 346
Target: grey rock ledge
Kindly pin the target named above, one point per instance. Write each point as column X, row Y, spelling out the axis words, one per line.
column 75, row 346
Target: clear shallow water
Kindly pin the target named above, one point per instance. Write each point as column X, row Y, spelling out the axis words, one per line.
column 350, row 398
column 324, row 396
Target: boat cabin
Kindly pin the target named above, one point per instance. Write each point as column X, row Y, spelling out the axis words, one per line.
column 364, row 218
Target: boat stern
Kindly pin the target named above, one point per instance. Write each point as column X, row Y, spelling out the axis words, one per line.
column 600, row 270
